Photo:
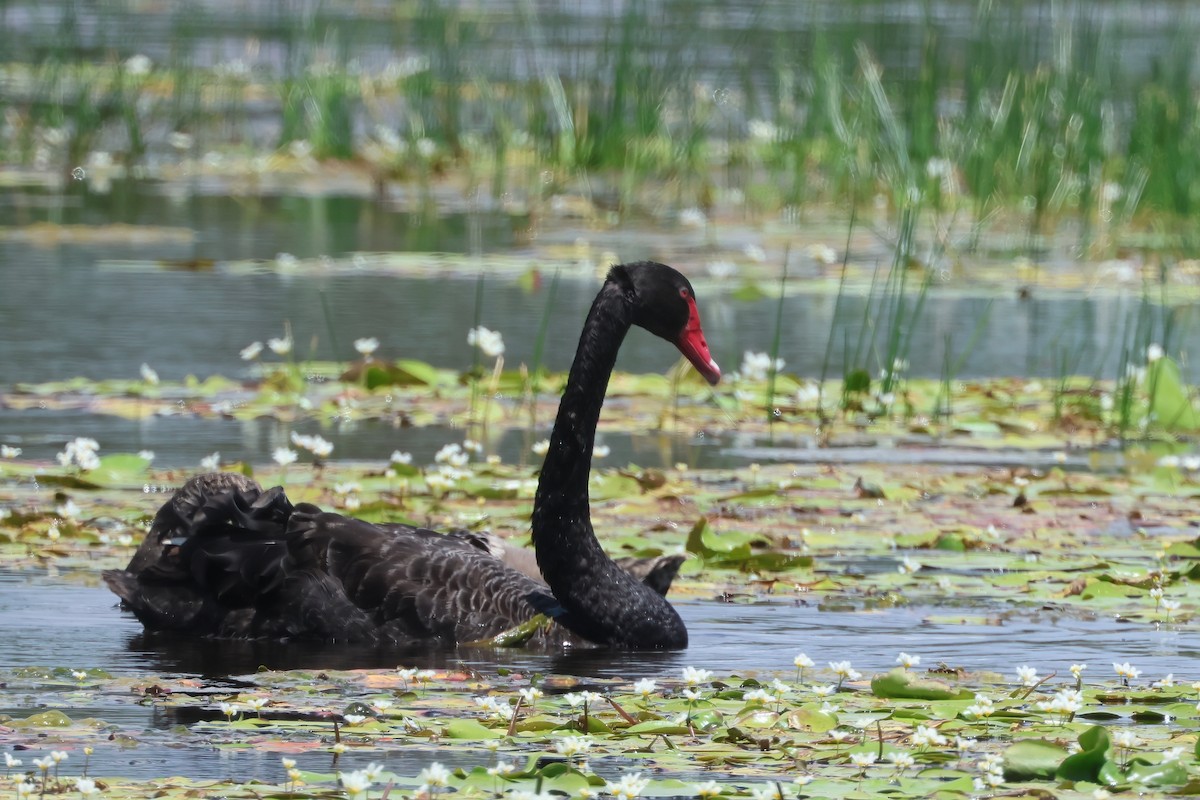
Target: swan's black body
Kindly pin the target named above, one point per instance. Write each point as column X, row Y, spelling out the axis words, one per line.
column 225, row 558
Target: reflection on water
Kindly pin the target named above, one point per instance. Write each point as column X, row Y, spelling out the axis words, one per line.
column 55, row 622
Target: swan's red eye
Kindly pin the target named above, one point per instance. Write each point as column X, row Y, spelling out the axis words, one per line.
column 683, row 292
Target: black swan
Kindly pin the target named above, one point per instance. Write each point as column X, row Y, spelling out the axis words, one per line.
column 225, row 558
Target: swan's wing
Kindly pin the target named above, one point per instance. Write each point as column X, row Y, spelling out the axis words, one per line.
column 226, row 558
column 415, row 583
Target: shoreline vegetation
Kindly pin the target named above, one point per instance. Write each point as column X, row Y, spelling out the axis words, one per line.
column 991, row 122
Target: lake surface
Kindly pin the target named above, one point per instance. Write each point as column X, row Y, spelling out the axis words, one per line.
column 69, row 621
column 70, row 312
column 101, row 308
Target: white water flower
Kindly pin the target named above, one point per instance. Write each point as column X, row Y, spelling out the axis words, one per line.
column 211, row 463
column 138, row 65
column 905, row 660
column 1065, row 702
column 692, row 218
column 281, row 346
column 251, row 351
column 645, row 687
column 601, row 451
column 572, row 746
column 844, row 671
column 148, row 374
column 1126, row 740
column 707, row 790
column 1153, row 353
column 925, row 736
column 398, row 457
column 540, row 448
column 822, row 254
column 694, row 677
column 452, row 454
column 490, row 342
column 80, row 451
column 1126, row 671
column 85, row 786
column 908, row 566
column 316, row 445
column 757, row 366
column 7, row 451
column 355, row 783
column 576, row 699
column 366, row 346
column 434, row 775
column 1027, row 675
column 628, row 788
column 68, row 510
column 283, row 456
column 863, row 760
column 982, row 708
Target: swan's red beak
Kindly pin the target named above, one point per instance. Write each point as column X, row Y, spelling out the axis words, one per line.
column 691, row 343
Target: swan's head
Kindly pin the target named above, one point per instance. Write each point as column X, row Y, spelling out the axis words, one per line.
column 665, row 304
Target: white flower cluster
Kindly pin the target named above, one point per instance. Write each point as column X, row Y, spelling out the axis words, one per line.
column 490, row 342
column 453, row 455
column 573, row 746
column 80, row 451
column 844, row 671
column 628, row 788
column 992, row 767
column 493, row 707
column 316, row 445
column 1065, row 703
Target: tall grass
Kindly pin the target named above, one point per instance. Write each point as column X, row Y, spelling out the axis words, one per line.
column 1040, row 122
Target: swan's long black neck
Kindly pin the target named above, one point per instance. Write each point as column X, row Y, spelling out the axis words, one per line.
column 602, row 602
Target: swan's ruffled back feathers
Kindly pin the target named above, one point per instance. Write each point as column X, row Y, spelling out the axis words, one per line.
column 251, row 565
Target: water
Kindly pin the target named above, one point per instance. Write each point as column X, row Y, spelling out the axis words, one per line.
column 69, row 621
column 68, row 314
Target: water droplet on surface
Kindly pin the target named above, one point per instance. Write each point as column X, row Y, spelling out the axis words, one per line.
column 387, row 398
column 78, row 173
column 944, row 275
column 775, row 412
